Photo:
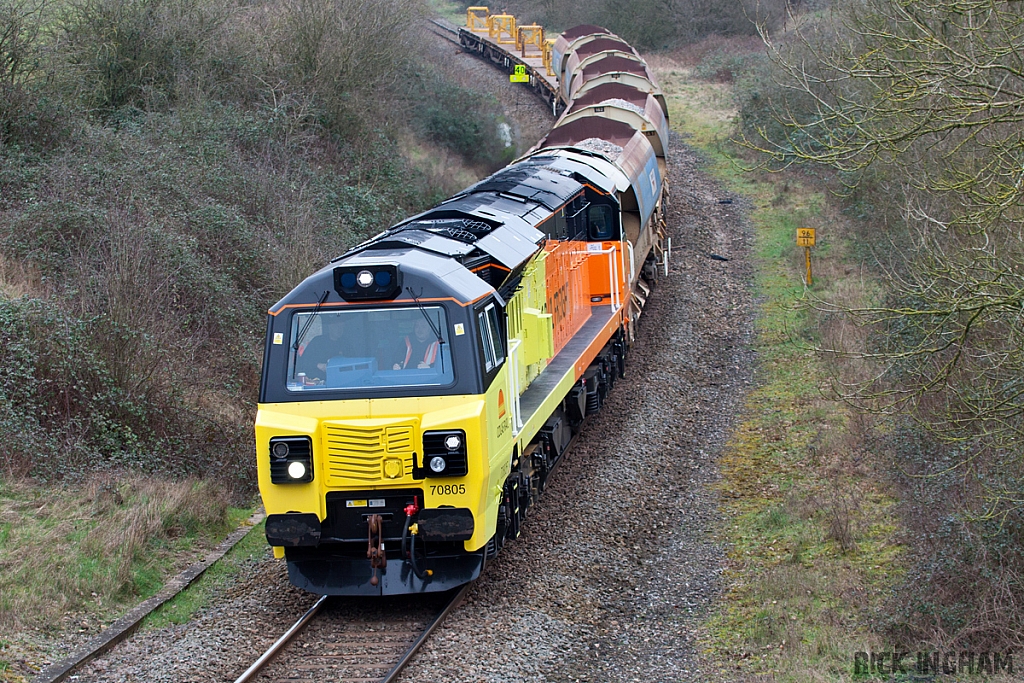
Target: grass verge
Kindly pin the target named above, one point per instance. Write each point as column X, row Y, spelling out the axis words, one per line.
column 813, row 537
column 452, row 11
column 75, row 559
column 72, row 560
column 185, row 605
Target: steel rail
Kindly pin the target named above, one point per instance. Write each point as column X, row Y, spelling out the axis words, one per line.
column 446, row 31
column 297, row 627
column 282, row 641
column 452, row 604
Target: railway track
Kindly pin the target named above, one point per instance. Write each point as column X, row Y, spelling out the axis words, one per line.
column 445, row 30
column 349, row 640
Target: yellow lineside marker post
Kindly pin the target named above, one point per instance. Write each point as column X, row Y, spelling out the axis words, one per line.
column 519, row 75
column 805, row 239
column 476, row 18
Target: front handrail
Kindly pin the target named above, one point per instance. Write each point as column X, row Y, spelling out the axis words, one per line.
column 515, row 407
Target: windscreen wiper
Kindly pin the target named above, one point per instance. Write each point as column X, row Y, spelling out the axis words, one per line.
column 305, row 328
column 434, row 328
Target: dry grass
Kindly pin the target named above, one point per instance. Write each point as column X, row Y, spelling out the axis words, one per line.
column 17, row 279
column 693, row 54
column 98, row 547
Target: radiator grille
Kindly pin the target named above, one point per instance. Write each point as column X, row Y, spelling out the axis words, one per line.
column 368, row 454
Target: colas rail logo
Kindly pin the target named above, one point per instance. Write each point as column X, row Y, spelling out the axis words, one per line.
column 501, row 403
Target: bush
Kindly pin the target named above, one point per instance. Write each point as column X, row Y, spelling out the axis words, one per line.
column 58, row 396
column 764, row 101
column 462, row 120
column 727, row 65
column 349, row 54
column 26, row 117
column 28, row 120
column 132, row 53
column 966, row 568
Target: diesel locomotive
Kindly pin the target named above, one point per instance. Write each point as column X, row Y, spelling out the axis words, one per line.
column 418, row 390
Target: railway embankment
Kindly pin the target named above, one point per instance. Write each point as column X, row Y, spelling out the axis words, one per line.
column 817, row 499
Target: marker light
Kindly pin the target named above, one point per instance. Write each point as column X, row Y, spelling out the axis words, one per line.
column 280, row 450
column 296, row 470
column 382, row 281
column 452, row 442
column 364, row 278
column 437, row 464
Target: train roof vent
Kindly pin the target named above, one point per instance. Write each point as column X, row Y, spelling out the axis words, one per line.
column 504, row 180
column 461, row 229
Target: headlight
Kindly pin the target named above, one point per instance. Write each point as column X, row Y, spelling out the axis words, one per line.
column 296, row 470
column 445, row 454
column 291, row 459
column 364, row 278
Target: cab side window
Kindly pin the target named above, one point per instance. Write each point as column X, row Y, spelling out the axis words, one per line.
column 490, row 337
column 601, row 222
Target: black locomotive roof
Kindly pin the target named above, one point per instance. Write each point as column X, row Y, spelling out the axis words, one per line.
column 529, row 181
column 578, row 170
column 491, row 221
column 424, row 239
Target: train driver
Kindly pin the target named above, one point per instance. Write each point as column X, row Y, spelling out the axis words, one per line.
column 331, row 342
column 420, row 350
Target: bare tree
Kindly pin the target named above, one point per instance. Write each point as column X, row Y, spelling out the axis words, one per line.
column 343, row 49
column 20, row 25
column 928, row 95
